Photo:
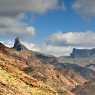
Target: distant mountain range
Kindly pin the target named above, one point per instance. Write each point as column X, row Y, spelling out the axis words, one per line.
column 83, row 53
column 25, row 72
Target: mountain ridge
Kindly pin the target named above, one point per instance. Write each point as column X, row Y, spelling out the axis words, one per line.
column 39, row 71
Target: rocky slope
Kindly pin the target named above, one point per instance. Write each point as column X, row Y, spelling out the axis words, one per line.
column 86, row 89
column 25, row 72
column 14, row 81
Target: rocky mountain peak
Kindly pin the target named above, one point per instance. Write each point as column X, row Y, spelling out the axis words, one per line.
column 18, row 45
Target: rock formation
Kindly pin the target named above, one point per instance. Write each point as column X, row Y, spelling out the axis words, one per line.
column 18, row 46
column 83, row 53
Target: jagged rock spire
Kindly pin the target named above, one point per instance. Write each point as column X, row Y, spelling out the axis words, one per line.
column 17, row 44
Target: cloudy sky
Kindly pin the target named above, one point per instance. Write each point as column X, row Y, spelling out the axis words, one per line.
column 48, row 26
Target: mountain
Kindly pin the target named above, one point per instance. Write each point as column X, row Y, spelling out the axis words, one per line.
column 18, row 46
column 13, row 79
column 83, row 53
column 84, row 71
column 25, row 72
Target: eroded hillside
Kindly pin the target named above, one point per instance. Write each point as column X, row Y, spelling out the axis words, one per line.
column 23, row 73
column 14, row 81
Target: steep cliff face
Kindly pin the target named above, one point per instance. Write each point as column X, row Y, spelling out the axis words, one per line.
column 83, row 52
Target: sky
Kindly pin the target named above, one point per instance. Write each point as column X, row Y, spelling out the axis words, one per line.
column 52, row 27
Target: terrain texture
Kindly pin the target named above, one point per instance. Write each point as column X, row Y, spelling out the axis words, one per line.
column 24, row 72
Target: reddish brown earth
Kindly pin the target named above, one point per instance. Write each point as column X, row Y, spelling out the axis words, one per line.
column 23, row 74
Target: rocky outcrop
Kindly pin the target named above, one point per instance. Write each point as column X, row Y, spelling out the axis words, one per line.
column 18, row 46
column 83, row 53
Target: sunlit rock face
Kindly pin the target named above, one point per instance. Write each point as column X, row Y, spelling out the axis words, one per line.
column 83, row 52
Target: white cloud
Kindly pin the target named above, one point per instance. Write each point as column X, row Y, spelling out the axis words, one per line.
column 81, row 39
column 31, row 46
column 13, row 7
column 85, row 7
column 11, row 12
column 10, row 27
column 49, row 49
column 60, row 44
column 56, row 50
